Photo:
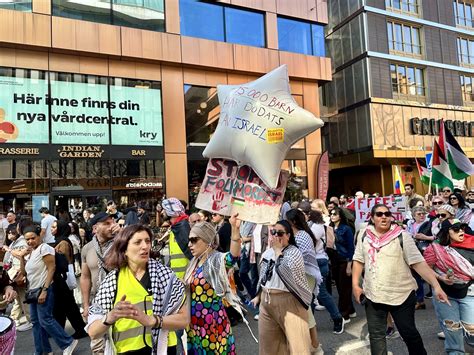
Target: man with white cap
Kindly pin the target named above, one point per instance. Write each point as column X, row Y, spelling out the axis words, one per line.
column 173, row 210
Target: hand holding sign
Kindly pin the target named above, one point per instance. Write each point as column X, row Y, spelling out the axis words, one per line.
column 259, row 122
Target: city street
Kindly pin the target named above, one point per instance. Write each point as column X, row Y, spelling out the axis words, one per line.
column 353, row 341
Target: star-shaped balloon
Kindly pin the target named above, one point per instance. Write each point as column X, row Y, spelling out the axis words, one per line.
column 258, row 124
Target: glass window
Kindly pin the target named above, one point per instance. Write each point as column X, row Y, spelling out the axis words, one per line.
column 203, row 20
column 19, row 5
column 403, row 38
column 318, row 40
column 301, row 37
column 465, row 51
column 294, row 36
column 390, row 35
column 407, row 80
column 244, row 27
column 407, row 6
column 398, row 37
column 463, row 13
column 95, row 11
column 145, row 14
column 466, row 87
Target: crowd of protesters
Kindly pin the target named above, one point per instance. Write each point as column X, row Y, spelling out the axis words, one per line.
column 156, row 278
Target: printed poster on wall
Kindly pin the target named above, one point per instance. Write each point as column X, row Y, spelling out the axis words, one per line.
column 228, row 189
column 23, row 110
column 142, row 107
column 79, row 113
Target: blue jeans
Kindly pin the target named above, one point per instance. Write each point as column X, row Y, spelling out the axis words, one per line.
column 45, row 325
column 453, row 320
column 324, row 298
column 245, row 267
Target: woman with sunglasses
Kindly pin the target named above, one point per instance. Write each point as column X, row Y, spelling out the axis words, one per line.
column 463, row 212
column 387, row 254
column 206, row 278
column 282, row 290
column 452, row 260
column 341, row 262
column 444, row 212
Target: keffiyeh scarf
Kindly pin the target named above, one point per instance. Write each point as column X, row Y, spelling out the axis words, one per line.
column 378, row 242
column 443, row 258
column 168, row 296
column 101, row 252
column 306, row 246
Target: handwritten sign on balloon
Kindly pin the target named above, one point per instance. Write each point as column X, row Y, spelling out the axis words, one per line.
column 228, row 189
column 258, row 124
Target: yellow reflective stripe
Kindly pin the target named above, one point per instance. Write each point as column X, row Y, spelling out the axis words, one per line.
column 131, row 333
column 177, row 256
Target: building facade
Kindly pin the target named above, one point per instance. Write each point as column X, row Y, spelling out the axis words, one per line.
column 117, row 98
column 399, row 67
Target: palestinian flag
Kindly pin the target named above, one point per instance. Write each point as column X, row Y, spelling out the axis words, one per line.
column 459, row 164
column 441, row 174
column 423, row 172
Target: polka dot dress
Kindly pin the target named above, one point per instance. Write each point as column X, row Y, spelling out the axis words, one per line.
column 209, row 331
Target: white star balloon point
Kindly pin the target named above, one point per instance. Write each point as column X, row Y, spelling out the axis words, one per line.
column 258, row 124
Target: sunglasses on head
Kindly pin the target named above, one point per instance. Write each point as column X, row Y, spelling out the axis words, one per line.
column 194, row 240
column 437, row 203
column 386, row 214
column 277, row 232
column 442, row 215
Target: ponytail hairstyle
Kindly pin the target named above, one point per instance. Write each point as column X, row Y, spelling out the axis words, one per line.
column 298, row 220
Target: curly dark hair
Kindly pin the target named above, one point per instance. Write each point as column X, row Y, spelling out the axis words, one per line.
column 116, row 257
column 341, row 215
column 316, row 217
column 462, row 201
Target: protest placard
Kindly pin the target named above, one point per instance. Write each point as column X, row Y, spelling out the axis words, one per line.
column 396, row 205
column 228, row 189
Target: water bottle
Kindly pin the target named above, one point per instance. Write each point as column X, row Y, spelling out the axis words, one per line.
column 450, row 274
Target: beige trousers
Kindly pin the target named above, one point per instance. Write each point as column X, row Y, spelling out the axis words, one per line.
column 19, row 308
column 282, row 325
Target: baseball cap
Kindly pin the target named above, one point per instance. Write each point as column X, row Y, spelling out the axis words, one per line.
column 101, row 217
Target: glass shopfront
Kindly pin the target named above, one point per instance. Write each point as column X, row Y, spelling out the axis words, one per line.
column 73, row 141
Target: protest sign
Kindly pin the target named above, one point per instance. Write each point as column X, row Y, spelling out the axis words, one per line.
column 228, row 189
column 396, row 205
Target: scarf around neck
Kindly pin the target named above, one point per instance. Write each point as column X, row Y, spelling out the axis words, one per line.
column 446, row 257
column 101, row 252
column 378, row 242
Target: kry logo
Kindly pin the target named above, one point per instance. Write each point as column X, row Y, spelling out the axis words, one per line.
column 8, row 131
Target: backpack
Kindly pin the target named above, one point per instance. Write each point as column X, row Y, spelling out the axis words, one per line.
column 330, row 238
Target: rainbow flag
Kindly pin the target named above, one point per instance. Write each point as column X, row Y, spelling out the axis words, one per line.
column 399, row 186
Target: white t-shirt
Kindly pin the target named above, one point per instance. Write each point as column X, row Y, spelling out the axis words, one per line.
column 275, row 282
column 320, row 235
column 36, row 271
column 46, row 224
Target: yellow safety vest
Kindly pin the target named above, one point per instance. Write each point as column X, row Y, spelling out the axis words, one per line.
column 178, row 261
column 129, row 334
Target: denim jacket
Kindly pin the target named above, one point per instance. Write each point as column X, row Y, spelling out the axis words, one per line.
column 344, row 242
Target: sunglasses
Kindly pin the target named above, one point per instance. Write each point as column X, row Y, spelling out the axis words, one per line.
column 334, row 214
column 386, row 214
column 453, row 198
column 277, row 232
column 441, row 215
column 194, row 240
column 437, row 203
column 457, row 228
column 446, row 190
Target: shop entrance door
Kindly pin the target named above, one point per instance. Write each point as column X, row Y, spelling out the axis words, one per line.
column 75, row 202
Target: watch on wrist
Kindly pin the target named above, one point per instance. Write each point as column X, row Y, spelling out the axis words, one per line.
column 104, row 321
column 45, row 288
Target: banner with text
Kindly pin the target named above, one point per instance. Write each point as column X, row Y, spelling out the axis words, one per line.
column 396, row 204
column 81, row 113
column 228, row 189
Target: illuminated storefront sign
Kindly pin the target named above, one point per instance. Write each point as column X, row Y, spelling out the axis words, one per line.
column 430, row 127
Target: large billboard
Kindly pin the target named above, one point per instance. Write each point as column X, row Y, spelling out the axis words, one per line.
column 78, row 113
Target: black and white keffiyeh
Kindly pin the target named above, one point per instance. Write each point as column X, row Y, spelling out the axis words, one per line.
column 306, row 246
column 168, row 296
column 101, row 251
column 291, row 270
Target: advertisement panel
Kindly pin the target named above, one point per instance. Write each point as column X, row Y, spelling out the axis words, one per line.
column 141, row 108
column 228, row 189
column 79, row 113
column 23, row 110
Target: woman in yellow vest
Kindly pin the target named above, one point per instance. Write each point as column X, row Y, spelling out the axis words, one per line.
column 139, row 302
column 210, row 331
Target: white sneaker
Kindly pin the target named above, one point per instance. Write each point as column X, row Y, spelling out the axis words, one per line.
column 353, row 315
column 256, row 317
column 441, row 335
column 346, row 321
column 24, row 327
column 69, row 350
column 317, row 351
column 320, row 308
